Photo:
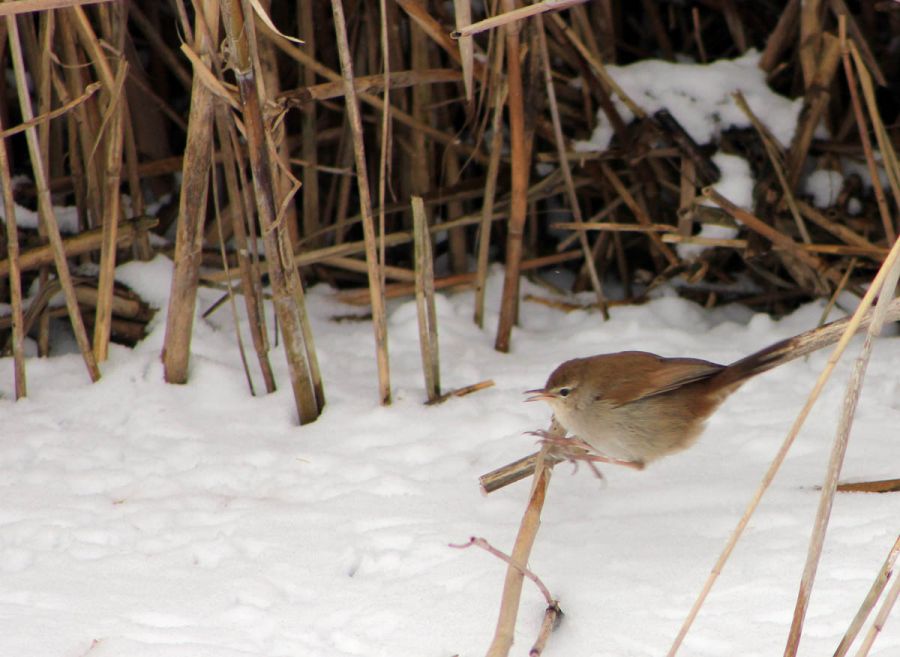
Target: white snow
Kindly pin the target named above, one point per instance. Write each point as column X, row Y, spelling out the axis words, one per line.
column 140, row 519
column 699, row 96
column 823, row 185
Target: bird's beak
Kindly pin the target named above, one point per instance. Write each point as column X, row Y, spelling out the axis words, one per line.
column 539, row 395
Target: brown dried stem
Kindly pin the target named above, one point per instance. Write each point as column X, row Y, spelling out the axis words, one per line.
column 512, row 588
column 376, row 290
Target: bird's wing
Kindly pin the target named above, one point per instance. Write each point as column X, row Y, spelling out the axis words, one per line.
column 646, row 375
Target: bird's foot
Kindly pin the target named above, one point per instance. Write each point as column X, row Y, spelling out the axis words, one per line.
column 575, row 450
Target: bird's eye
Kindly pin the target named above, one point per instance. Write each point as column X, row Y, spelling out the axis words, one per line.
column 564, row 392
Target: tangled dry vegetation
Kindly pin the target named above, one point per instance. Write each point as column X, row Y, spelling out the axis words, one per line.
column 208, row 132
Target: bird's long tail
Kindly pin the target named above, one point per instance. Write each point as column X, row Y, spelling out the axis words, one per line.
column 796, row 347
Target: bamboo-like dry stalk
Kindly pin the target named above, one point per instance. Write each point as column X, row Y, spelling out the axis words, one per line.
column 881, row 579
column 851, row 327
column 286, row 285
column 531, row 521
column 574, row 205
column 114, row 138
column 249, row 276
column 15, row 274
column 887, row 290
column 379, row 319
column 428, row 331
column 192, row 205
column 520, row 155
column 45, row 204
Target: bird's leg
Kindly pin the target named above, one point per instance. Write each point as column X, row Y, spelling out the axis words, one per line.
column 575, row 449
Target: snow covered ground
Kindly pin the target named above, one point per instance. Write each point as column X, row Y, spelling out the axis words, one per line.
column 140, row 519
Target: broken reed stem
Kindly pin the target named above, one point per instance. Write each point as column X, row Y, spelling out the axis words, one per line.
column 45, row 203
column 531, row 521
column 868, row 603
column 574, row 205
column 287, row 288
column 376, row 289
column 552, row 616
column 520, row 155
column 428, row 341
column 461, row 392
column 15, row 274
column 886, row 291
column 852, row 326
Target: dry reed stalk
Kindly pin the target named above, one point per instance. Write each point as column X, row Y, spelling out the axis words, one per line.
column 379, row 319
column 600, row 70
column 229, row 294
column 511, row 15
column 842, row 12
column 520, row 155
column 850, row 327
column 63, row 109
column 397, row 114
column 885, row 144
column 810, row 42
column 880, row 198
column 455, row 281
column 192, row 203
column 30, row 6
column 840, row 231
column 887, row 290
column 613, row 226
column 270, row 83
column 306, row 31
column 463, row 14
column 698, row 34
column 880, row 619
column 777, row 238
column 574, row 205
column 360, row 266
column 461, row 392
column 781, row 37
column 772, row 151
column 417, row 11
column 287, row 287
column 113, row 139
column 531, row 521
column 84, row 242
column 45, row 204
column 428, row 337
column 160, row 49
column 639, row 212
column 687, row 194
column 15, row 274
column 868, row 604
column 250, row 285
column 876, row 253
column 814, row 104
column 490, row 193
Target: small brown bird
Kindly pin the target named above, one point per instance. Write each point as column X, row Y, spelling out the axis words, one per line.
column 633, row 407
